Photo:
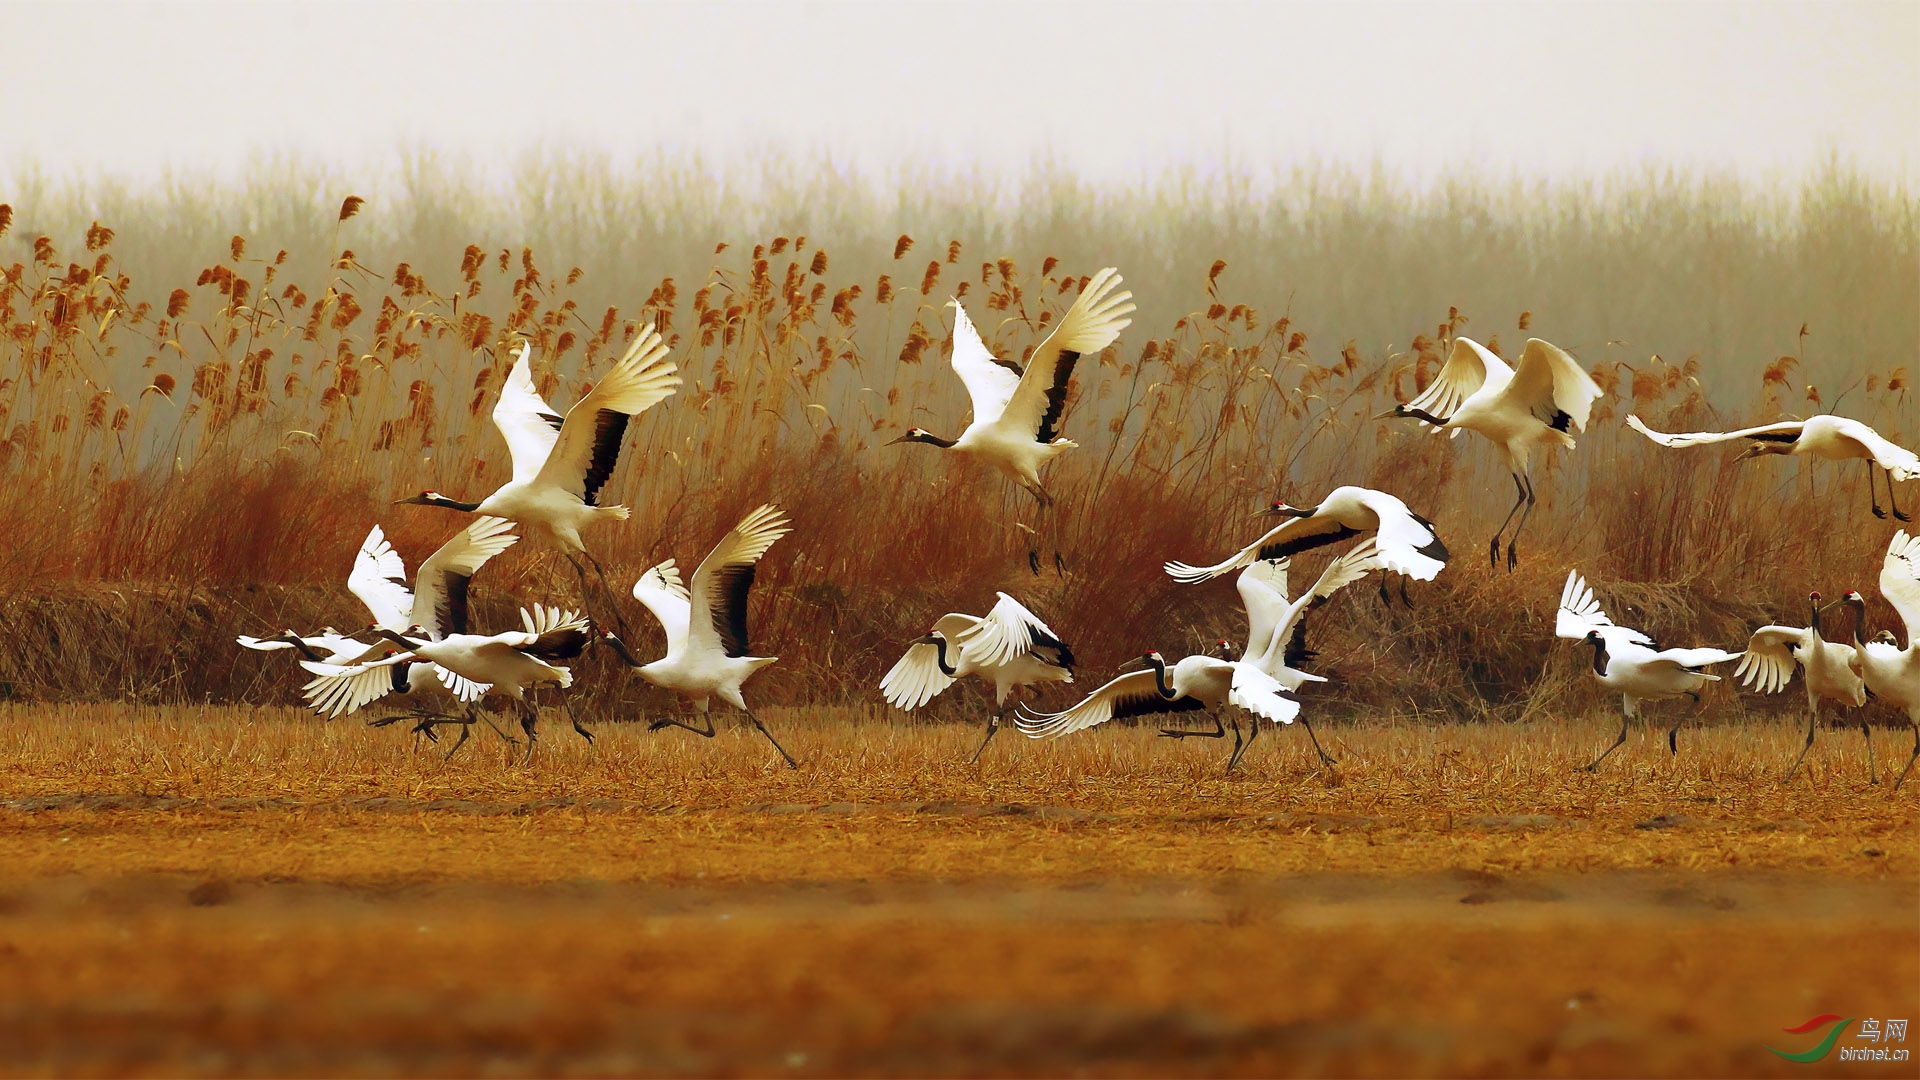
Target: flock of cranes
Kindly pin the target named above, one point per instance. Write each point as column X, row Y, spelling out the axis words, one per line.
column 425, row 648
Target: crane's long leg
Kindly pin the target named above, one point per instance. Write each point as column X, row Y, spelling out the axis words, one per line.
column 1325, row 758
column 1873, row 775
column 705, row 733
column 466, row 730
column 613, row 599
column 1234, row 758
column 1892, row 502
column 1253, row 732
column 791, row 764
column 1594, row 765
column 1673, row 733
column 1493, row 553
column 567, row 700
column 1513, row 558
column 1915, row 756
column 1873, row 499
column 529, row 717
column 1219, row 731
column 1813, row 717
column 993, row 727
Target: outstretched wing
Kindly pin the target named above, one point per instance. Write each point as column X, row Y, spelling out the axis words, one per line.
column 723, row 579
column 339, row 689
column 916, row 678
column 1263, row 593
column 440, row 604
column 1465, row 371
column 990, row 381
column 525, row 420
column 1288, row 538
column 1010, row 631
column 1097, row 316
column 554, row 634
column 1785, row 431
column 1132, row 694
column 464, row 690
column 662, row 592
column 1552, row 386
column 1405, row 542
column 379, row 579
column 1580, row 612
column 1262, row 695
column 1693, row 659
column 1768, row 663
column 1283, row 646
column 1903, row 463
column 589, row 444
column 1900, row 581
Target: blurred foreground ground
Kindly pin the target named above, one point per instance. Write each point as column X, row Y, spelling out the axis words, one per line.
column 222, row 891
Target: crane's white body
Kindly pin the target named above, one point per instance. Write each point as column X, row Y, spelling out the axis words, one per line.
column 1404, row 541
column 706, row 625
column 1831, row 669
column 1016, row 412
column 1009, row 646
column 1835, row 438
column 1541, row 403
column 1892, row 672
column 559, row 465
column 1207, row 681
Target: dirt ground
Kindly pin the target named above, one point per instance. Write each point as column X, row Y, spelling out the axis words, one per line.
column 233, row 892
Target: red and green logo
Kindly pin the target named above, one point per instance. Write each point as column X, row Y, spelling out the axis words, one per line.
column 1825, row 1046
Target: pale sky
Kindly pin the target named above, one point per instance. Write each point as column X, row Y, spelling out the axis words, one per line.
column 1117, row 92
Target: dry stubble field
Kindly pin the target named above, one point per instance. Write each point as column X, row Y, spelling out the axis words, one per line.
column 226, row 890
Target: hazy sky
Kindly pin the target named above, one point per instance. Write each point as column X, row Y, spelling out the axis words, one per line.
column 1116, row 91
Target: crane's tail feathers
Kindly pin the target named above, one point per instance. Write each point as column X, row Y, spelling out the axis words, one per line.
column 617, row 513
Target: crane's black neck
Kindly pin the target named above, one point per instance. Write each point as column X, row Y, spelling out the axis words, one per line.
column 1814, row 621
column 929, row 438
column 397, row 638
column 451, row 504
column 940, row 656
column 1858, row 607
column 1160, row 677
column 1599, row 655
column 1421, row 414
column 300, row 646
column 620, row 647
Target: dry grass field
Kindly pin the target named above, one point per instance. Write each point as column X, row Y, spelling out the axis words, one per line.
column 225, row 891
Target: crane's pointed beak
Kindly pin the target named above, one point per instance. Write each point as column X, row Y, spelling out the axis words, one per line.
column 1138, row 663
column 1389, row 414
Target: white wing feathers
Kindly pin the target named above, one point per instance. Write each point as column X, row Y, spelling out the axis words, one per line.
column 464, row 690
column 1469, row 366
column 721, row 581
column 1263, row 593
column 1901, row 462
column 989, row 382
column 589, row 443
column 1261, row 694
column 1137, row 688
column 1768, row 663
column 916, row 678
column 1007, row 632
column 1702, row 438
column 379, row 579
column 1548, row 378
column 662, row 592
column 461, row 557
column 1090, row 325
column 1580, row 612
column 1900, row 581
column 525, row 420
column 338, row 689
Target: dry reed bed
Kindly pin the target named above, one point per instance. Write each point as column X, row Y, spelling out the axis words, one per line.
column 213, row 458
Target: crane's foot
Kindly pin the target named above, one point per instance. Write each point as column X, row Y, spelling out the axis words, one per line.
column 1513, row 556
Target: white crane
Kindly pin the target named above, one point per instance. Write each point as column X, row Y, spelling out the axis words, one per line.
column 1892, row 673
column 560, row 465
column 1277, row 626
column 1540, row 403
column 509, row 663
column 1631, row 663
column 708, row 656
column 1836, row 438
column 1009, row 646
column 1198, row 683
column 1405, row 542
column 1832, row 669
column 326, row 646
column 1016, row 413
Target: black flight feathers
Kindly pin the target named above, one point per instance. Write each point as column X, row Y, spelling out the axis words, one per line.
column 609, row 427
column 730, row 587
column 1295, row 544
column 1057, row 395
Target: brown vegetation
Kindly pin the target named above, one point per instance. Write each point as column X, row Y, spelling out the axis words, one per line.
column 205, row 462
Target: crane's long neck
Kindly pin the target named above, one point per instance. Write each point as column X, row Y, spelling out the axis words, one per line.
column 451, row 504
column 1858, row 607
column 1600, row 657
column 931, row 439
column 1160, row 677
column 1421, row 414
column 940, row 656
column 305, row 650
column 398, row 639
column 1814, row 621
column 620, row 647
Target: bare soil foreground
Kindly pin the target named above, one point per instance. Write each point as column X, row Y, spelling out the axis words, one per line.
column 229, row 891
